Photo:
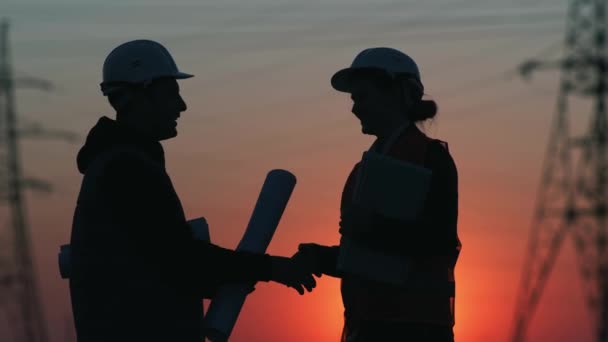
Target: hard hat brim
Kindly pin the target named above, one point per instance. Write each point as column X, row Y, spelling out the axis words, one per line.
column 112, row 86
column 182, row 75
column 341, row 80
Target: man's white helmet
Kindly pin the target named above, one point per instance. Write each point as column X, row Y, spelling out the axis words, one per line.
column 389, row 60
column 137, row 62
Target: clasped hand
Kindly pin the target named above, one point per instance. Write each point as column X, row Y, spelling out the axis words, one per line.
column 293, row 272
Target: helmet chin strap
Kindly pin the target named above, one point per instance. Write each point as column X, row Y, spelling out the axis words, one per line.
column 405, row 93
column 123, row 103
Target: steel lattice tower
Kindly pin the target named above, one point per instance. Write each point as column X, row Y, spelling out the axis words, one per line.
column 573, row 195
column 18, row 286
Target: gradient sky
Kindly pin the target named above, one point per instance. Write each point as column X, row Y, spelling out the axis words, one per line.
column 261, row 100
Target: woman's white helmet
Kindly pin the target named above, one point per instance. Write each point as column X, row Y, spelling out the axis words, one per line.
column 389, row 60
column 138, row 62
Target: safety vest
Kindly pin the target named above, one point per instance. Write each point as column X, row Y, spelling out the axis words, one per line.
column 428, row 293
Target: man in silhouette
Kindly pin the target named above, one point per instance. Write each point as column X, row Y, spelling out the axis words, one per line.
column 138, row 273
column 397, row 271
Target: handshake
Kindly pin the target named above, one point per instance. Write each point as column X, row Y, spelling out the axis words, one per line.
column 297, row 272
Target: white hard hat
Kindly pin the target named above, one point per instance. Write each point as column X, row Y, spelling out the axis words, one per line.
column 139, row 61
column 389, row 60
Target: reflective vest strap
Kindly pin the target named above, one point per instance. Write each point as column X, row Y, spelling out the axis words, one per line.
column 419, row 285
column 431, row 275
column 411, row 146
column 386, row 303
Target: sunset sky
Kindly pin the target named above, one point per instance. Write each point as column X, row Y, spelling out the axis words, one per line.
column 261, row 100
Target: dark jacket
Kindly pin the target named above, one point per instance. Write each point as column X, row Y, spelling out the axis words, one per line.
column 138, row 273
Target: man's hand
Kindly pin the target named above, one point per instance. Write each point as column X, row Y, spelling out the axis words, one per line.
column 292, row 273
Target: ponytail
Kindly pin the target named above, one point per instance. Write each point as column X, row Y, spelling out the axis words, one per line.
column 423, row 110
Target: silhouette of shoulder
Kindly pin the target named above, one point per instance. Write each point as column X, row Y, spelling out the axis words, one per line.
column 131, row 165
column 440, row 158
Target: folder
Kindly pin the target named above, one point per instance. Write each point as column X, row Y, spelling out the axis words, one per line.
column 391, row 187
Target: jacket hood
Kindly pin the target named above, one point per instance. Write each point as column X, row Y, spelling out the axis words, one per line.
column 108, row 133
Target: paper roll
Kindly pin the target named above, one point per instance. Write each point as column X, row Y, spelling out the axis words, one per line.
column 200, row 229
column 226, row 305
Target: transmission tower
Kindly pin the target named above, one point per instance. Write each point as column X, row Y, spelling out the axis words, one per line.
column 20, row 297
column 573, row 195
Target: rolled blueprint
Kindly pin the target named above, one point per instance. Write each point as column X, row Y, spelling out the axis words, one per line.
column 225, row 307
column 200, row 229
